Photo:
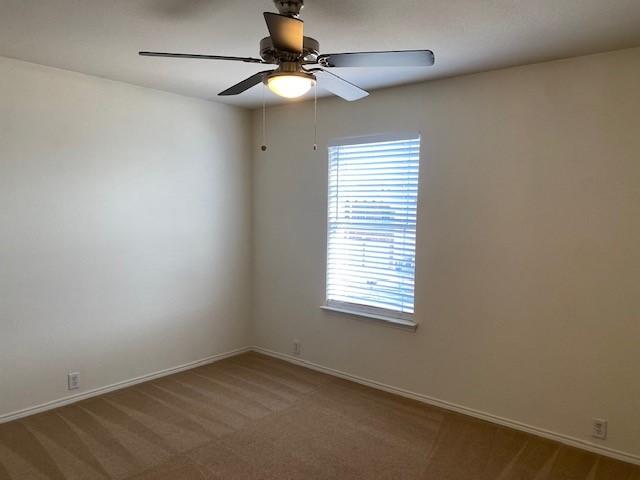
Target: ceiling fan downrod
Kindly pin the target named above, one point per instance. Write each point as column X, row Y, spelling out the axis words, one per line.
column 290, row 8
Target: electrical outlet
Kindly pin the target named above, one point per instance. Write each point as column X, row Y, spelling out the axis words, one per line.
column 73, row 380
column 599, row 428
column 296, row 347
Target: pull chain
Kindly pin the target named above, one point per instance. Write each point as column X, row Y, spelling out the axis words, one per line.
column 264, row 122
column 315, row 117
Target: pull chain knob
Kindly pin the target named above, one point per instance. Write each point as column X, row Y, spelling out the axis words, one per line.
column 315, row 117
column 264, row 122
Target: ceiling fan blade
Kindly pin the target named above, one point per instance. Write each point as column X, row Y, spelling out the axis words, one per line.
column 245, row 84
column 402, row 58
column 338, row 85
column 202, row 57
column 286, row 32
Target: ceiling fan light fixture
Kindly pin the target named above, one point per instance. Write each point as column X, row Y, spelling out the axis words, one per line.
column 290, row 84
column 299, row 62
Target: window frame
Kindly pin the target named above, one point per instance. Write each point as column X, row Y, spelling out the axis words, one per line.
column 392, row 317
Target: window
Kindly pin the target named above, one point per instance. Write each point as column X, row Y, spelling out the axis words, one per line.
column 373, row 193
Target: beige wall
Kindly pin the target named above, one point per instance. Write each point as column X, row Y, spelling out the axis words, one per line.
column 124, row 231
column 125, row 228
column 528, row 263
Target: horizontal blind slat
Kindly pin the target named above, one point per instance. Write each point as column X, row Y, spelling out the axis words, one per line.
column 372, row 200
column 347, row 250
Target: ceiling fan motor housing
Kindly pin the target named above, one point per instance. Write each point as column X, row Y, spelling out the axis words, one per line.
column 310, row 51
column 289, row 7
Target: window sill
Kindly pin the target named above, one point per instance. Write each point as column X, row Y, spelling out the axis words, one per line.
column 390, row 321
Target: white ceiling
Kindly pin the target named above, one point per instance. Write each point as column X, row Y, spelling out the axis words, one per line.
column 102, row 37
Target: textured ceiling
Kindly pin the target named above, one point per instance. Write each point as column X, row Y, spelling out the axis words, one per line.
column 102, row 38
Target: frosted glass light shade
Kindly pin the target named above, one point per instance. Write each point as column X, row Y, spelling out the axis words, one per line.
column 290, row 86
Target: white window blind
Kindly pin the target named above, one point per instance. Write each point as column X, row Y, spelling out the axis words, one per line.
column 373, row 193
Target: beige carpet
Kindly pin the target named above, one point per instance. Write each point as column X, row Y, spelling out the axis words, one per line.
column 254, row 417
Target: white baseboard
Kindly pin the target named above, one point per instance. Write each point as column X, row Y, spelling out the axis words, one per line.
column 559, row 437
column 7, row 417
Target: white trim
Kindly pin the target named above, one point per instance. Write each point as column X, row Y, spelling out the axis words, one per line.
column 541, row 432
column 394, row 321
column 7, row 417
column 374, row 138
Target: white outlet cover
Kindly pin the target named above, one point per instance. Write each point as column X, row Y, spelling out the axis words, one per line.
column 599, row 428
column 73, row 380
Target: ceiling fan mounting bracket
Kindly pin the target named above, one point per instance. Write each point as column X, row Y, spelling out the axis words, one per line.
column 269, row 54
column 289, row 7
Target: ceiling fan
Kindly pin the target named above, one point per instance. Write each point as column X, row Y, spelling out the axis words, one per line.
column 299, row 62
